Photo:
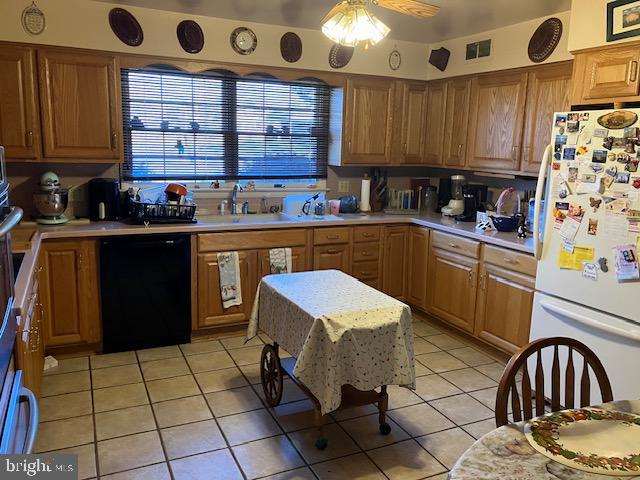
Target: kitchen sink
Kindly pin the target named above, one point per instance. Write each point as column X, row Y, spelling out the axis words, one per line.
column 249, row 218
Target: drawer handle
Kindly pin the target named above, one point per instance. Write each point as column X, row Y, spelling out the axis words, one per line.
column 333, row 250
column 459, row 149
column 365, row 273
column 368, row 235
column 633, row 75
column 512, row 261
column 366, row 254
column 454, row 245
column 333, row 237
column 29, row 138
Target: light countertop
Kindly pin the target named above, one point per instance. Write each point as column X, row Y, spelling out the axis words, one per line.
column 84, row 229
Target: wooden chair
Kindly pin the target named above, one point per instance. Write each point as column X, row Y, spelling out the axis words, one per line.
column 518, row 362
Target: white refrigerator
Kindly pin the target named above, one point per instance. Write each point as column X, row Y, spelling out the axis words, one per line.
column 591, row 202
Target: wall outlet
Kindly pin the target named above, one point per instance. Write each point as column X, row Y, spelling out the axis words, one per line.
column 344, row 186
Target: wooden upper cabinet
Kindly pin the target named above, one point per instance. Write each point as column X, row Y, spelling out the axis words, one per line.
column 80, row 105
column 368, row 120
column 19, row 113
column 434, row 128
column 413, row 117
column 605, row 74
column 69, row 292
column 395, row 258
column 456, row 118
column 548, row 91
column 496, row 119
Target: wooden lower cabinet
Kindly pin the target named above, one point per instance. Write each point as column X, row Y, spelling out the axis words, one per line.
column 29, row 352
column 332, row 257
column 505, row 301
column 299, row 261
column 418, row 263
column 210, row 310
column 70, row 292
column 394, row 261
column 451, row 288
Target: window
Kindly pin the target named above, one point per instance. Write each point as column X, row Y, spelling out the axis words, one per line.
column 180, row 126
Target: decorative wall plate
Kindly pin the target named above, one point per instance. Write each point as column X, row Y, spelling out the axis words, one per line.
column 33, row 20
column 243, row 40
column 617, row 120
column 598, row 441
column 395, row 59
column 340, row 55
column 439, row 58
column 190, row 36
column 545, row 40
column 126, row 27
column 291, row 47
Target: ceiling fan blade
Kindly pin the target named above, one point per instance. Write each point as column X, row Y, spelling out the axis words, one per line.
column 414, row 8
column 332, row 12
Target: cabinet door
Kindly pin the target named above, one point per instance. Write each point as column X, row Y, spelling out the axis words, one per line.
column 413, row 117
column 418, row 263
column 19, row 119
column 434, row 128
column 210, row 310
column 505, row 302
column 367, row 121
column 80, row 105
column 452, row 287
column 298, row 261
column 456, row 118
column 394, row 258
column 601, row 75
column 29, row 351
column 548, row 91
column 332, row 257
column 70, row 293
column 496, row 118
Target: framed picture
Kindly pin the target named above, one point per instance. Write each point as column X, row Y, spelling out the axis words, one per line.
column 623, row 19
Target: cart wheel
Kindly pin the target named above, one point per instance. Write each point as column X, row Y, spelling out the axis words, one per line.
column 385, row 429
column 322, row 443
column 271, row 375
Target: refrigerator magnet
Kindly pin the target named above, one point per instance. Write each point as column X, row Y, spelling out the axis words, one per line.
column 590, row 271
column 626, row 262
column 593, row 226
column 635, row 183
column 599, row 156
column 602, row 262
column 569, row 153
column 601, row 132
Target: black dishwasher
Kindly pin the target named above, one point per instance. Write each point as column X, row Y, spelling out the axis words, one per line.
column 146, row 291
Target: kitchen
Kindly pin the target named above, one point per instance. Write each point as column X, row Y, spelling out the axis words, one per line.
column 172, row 166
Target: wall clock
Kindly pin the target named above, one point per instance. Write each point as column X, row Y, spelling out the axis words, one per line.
column 395, row 60
column 33, row 19
column 243, row 40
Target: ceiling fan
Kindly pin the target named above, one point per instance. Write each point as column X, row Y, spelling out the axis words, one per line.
column 351, row 22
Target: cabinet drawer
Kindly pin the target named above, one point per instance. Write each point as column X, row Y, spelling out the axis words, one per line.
column 329, row 236
column 456, row 244
column 366, row 234
column 510, row 260
column 366, row 251
column 224, row 242
column 365, row 270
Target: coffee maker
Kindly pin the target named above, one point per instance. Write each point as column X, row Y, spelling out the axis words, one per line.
column 474, row 197
column 104, row 199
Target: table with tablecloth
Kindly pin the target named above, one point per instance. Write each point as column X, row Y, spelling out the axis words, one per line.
column 505, row 454
column 339, row 330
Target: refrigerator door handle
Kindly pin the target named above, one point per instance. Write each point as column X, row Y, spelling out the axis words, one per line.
column 537, row 243
column 555, row 309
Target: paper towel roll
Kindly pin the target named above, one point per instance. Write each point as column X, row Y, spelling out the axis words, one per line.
column 365, row 192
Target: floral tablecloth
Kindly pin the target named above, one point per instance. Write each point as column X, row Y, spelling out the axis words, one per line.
column 340, row 331
column 505, row 454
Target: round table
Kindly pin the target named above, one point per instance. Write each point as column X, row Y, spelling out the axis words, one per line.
column 505, row 454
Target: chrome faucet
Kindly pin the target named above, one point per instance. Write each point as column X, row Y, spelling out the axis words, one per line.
column 234, row 194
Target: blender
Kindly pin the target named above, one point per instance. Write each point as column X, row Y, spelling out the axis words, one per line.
column 51, row 200
column 456, row 204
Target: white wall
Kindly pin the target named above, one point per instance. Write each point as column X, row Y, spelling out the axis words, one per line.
column 590, row 20
column 85, row 24
column 508, row 49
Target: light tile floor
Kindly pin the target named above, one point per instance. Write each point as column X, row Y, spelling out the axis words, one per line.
column 196, row 412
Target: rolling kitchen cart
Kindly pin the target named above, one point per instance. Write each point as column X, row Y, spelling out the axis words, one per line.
column 346, row 341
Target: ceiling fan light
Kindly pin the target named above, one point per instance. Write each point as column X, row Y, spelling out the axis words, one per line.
column 353, row 24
